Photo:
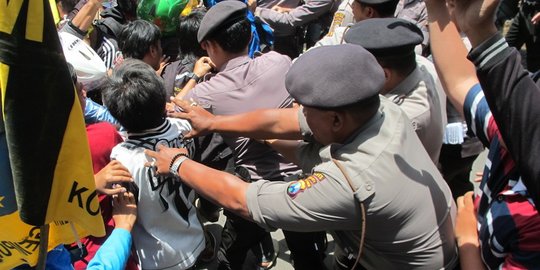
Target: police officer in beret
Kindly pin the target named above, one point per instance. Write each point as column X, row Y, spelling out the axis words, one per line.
column 384, row 201
column 361, row 10
column 241, row 84
column 410, row 86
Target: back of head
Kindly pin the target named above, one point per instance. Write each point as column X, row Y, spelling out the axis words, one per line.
column 227, row 24
column 137, row 37
column 67, row 5
column 351, row 76
column 188, row 27
column 385, row 8
column 390, row 40
column 135, row 96
column 128, row 8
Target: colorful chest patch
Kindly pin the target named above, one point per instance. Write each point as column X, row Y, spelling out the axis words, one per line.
column 299, row 186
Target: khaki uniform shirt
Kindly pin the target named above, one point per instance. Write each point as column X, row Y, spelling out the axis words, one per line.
column 409, row 206
column 335, row 39
column 418, row 98
column 342, row 17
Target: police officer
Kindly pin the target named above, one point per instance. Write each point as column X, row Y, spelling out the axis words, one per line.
column 392, row 42
column 360, row 10
column 242, row 84
column 366, row 182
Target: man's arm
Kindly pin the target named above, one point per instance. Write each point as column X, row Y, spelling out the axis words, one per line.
column 217, row 186
column 286, row 148
column 80, row 24
column 287, row 21
column 512, row 95
column 456, row 73
column 260, row 124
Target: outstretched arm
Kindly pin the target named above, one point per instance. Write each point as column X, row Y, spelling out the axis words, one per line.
column 219, row 187
column 260, row 124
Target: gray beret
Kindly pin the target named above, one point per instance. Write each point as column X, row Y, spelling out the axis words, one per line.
column 385, row 36
column 334, row 76
column 221, row 15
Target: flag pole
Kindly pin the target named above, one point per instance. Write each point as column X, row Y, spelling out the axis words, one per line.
column 43, row 244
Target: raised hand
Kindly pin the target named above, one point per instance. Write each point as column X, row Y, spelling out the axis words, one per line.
column 203, row 66
column 475, row 18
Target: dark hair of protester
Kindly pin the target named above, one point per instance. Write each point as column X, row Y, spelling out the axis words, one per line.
column 234, row 38
column 135, row 96
column 385, row 10
column 128, row 8
column 137, row 37
column 403, row 65
column 189, row 48
column 67, row 5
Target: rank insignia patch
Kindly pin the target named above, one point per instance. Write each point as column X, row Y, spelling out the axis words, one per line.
column 299, row 186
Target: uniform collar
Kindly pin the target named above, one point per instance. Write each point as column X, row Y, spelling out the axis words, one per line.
column 235, row 62
column 407, row 85
column 326, row 152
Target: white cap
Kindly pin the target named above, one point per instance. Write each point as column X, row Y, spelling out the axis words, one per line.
column 86, row 62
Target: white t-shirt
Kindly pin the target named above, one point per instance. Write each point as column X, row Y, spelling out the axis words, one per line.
column 167, row 234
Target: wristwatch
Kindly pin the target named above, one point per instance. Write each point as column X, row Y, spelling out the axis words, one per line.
column 193, row 76
column 176, row 165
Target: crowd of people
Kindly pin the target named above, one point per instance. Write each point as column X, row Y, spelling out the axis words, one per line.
column 358, row 118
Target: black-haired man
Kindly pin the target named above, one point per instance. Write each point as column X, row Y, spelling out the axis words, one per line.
column 142, row 40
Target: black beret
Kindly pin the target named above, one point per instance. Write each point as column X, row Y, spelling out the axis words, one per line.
column 385, row 36
column 221, row 15
column 334, row 76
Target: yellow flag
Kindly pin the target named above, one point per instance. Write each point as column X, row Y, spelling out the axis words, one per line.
column 46, row 153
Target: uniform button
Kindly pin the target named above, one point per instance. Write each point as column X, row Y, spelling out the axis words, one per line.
column 500, row 198
column 368, row 187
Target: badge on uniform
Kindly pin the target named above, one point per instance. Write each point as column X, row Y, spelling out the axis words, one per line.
column 299, row 186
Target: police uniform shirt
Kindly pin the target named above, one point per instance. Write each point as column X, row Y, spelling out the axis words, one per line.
column 281, row 3
column 418, row 97
column 285, row 23
column 242, row 85
column 342, row 17
column 335, row 39
column 409, row 206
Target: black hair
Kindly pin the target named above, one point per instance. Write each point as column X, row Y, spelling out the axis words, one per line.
column 385, row 10
column 234, row 38
column 189, row 48
column 137, row 37
column 402, row 64
column 128, row 8
column 135, row 96
column 68, row 5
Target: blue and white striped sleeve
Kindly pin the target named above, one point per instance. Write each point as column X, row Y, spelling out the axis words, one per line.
column 477, row 114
